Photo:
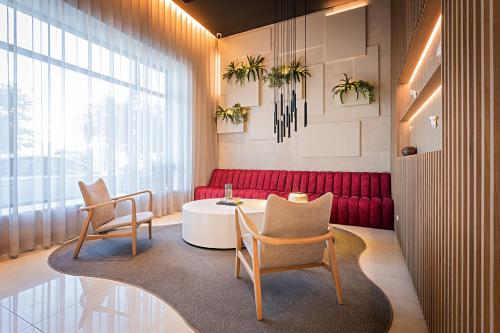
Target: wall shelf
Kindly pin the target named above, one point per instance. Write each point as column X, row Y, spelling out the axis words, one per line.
column 430, row 15
column 430, row 87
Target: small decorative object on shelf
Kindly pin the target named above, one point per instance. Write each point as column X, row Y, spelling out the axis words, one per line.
column 434, row 121
column 409, row 151
column 413, row 93
column 236, row 114
column 253, row 68
column 298, row 197
column 347, row 86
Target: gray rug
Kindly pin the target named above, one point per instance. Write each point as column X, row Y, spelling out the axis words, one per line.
column 200, row 284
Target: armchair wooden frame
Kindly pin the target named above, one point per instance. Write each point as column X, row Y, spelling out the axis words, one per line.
column 254, row 269
column 133, row 234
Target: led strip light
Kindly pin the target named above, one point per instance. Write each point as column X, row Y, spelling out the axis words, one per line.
column 425, row 103
column 426, row 49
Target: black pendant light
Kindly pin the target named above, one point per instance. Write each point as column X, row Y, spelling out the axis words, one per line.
column 285, row 52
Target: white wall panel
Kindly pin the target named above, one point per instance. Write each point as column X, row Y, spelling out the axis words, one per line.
column 333, row 139
column 261, row 123
column 345, row 34
column 316, row 89
column 246, row 94
column 257, row 147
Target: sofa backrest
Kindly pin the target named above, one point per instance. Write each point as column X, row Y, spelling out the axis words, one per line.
column 360, row 184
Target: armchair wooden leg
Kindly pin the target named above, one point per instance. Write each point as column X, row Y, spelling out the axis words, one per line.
column 237, row 264
column 334, row 270
column 78, row 247
column 150, row 229
column 237, row 260
column 134, row 241
column 83, row 234
column 256, row 281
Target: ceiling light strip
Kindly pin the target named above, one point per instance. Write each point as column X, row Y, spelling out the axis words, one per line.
column 178, row 10
column 346, row 7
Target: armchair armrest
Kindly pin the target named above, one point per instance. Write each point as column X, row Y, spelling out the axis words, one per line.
column 281, row 241
column 111, row 202
column 114, row 202
column 248, row 223
column 150, row 206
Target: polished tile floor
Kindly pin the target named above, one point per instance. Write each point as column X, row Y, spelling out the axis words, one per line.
column 35, row 298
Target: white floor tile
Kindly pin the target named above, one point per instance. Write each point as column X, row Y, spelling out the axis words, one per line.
column 108, row 306
column 10, row 322
column 408, row 324
column 31, row 329
column 54, row 302
column 44, row 299
column 384, row 264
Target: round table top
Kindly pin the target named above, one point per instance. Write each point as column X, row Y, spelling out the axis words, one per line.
column 209, row 206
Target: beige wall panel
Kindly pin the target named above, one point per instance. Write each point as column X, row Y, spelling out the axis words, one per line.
column 345, row 34
column 258, row 144
column 333, row 139
column 246, row 94
column 260, row 123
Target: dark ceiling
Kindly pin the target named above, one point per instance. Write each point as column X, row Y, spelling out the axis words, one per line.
column 230, row 17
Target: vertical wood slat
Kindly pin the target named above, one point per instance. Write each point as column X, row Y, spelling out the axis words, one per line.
column 449, row 225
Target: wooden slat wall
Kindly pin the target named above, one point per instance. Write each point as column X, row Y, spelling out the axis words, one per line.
column 449, row 225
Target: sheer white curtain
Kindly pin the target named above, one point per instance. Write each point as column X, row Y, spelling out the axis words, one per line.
column 80, row 99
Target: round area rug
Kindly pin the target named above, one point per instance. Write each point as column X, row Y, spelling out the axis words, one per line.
column 200, row 285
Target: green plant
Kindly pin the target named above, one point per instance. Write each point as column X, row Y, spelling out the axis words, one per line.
column 276, row 77
column 346, row 85
column 286, row 74
column 296, row 72
column 236, row 70
column 365, row 89
column 253, row 68
column 236, row 114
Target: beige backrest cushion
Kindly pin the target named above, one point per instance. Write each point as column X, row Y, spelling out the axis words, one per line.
column 95, row 194
column 285, row 219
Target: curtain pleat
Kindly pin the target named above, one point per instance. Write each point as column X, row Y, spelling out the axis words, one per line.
column 118, row 89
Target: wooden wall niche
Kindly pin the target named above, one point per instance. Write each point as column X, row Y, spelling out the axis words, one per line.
column 418, row 93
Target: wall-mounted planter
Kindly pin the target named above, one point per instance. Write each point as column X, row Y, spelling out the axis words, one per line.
column 349, row 99
column 226, row 126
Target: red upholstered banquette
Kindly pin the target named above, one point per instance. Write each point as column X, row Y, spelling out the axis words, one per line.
column 359, row 198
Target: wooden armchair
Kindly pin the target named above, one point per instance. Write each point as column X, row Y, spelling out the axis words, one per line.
column 292, row 237
column 100, row 208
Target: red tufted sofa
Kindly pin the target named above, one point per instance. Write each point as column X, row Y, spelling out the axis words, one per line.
column 359, row 198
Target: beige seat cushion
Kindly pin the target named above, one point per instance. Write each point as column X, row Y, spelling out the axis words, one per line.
column 94, row 194
column 125, row 221
column 285, row 219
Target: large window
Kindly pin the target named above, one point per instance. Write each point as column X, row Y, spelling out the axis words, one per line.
column 79, row 100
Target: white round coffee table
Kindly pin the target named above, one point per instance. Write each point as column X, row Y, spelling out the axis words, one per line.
column 206, row 224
